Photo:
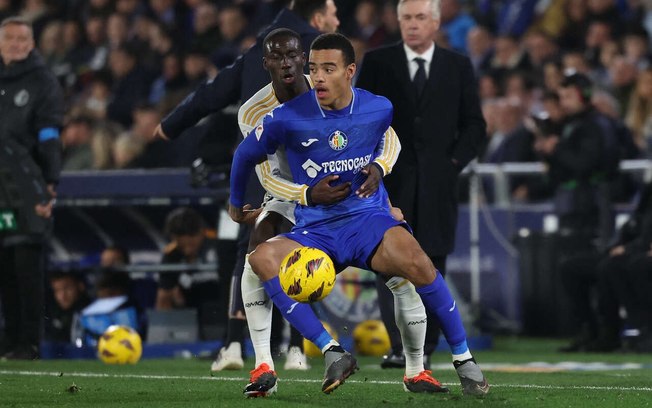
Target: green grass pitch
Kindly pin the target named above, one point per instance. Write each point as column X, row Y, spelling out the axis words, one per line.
column 522, row 372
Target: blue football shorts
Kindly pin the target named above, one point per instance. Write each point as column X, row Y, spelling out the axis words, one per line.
column 351, row 240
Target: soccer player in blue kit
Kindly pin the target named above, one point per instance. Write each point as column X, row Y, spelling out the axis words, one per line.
column 337, row 129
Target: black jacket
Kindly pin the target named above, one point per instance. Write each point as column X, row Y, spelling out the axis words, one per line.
column 445, row 125
column 237, row 82
column 30, row 101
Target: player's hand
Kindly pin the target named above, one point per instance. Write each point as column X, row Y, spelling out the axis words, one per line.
column 325, row 194
column 617, row 250
column 397, row 214
column 244, row 215
column 159, row 133
column 45, row 209
column 371, row 183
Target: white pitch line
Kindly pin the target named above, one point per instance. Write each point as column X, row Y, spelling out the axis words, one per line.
column 303, row 380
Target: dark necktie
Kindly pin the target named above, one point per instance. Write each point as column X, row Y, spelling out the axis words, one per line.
column 420, row 77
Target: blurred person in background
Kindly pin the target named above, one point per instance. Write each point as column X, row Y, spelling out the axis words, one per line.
column 32, row 114
column 639, row 112
column 456, row 23
column 76, row 138
column 69, row 297
column 622, row 80
column 114, row 256
column 206, row 28
column 479, row 43
column 125, row 150
column 131, row 85
column 156, row 152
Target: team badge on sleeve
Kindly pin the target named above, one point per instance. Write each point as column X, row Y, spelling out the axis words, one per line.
column 338, row 140
column 259, row 132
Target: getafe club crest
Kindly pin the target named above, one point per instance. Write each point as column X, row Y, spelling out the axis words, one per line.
column 21, row 98
column 338, row 140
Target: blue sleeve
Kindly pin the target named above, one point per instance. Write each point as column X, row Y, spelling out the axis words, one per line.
column 208, row 98
column 254, row 149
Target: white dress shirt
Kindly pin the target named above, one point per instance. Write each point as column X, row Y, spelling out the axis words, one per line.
column 412, row 64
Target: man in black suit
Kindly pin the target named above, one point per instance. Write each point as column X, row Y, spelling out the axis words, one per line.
column 438, row 119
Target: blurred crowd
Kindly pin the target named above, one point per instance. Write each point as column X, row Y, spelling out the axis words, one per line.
column 124, row 64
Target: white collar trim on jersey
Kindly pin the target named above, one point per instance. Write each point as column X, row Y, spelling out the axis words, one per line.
column 323, row 115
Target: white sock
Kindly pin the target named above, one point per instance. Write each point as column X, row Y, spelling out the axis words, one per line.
column 330, row 343
column 258, row 308
column 410, row 315
column 464, row 356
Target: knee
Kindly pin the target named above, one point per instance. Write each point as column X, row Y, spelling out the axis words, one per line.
column 419, row 269
column 262, row 262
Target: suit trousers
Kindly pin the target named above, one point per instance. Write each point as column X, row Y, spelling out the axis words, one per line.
column 22, row 291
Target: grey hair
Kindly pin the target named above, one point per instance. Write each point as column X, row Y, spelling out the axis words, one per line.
column 435, row 7
column 17, row 21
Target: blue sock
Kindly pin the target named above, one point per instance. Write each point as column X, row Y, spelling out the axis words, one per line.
column 438, row 300
column 300, row 315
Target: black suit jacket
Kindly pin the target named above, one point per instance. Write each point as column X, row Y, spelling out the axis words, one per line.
column 440, row 134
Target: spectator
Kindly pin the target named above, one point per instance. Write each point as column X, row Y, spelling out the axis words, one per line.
column 572, row 36
column 169, row 88
column 115, row 257
column 639, row 111
column 206, row 29
column 113, row 305
column 479, row 42
column 102, row 145
column 69, row 298
column 636, row 47
column 126, row 150
column 189, row 245
column 76, row 139
column 456, row 23
column 622, row 80
column 130, row 85
column 156, row 152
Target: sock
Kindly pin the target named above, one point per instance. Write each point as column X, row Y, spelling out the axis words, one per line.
column 296, row 339
column 300, row 315
column 258, row 309
column 438, row 300
column 235, row 328
column 464, row 356
column 410, row 315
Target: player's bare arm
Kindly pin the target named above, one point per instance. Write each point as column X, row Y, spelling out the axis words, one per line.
column 244, row 215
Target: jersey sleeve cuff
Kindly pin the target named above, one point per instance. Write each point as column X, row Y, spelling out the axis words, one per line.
column 381, row 167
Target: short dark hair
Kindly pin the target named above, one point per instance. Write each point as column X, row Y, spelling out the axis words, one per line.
column 282, row 32
column 124, row 253
column 307, row 8
column 335, row 41
column 184, row 221
column 59, row 274
column 115, row 281
column 580, row 81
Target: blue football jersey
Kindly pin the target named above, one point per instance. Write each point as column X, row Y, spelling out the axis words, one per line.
column 319, row 143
